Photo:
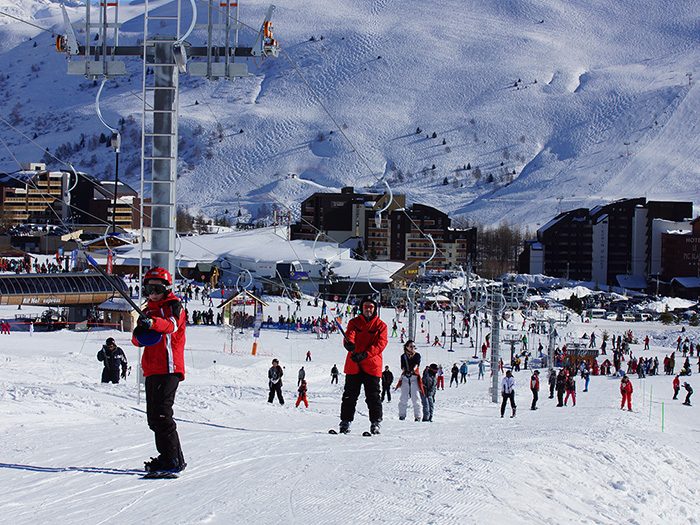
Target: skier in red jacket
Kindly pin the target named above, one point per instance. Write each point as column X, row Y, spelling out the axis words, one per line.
column 365, row 340
column 626, row 391
column 163, row 365
column 676, row 386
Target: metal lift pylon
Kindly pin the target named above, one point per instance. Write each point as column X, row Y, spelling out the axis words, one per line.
column 164, row 53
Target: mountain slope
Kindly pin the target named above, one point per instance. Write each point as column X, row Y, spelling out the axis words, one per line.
column 558, row 106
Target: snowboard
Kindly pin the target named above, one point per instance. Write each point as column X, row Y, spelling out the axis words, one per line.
column 334, row 432
column 160, row 475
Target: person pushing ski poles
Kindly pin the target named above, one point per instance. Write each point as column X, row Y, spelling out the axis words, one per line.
column 365, row 339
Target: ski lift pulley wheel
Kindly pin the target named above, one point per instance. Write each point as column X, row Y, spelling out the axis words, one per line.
column 147, row 337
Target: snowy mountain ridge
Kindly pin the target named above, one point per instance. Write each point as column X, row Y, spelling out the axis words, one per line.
column 550, row 106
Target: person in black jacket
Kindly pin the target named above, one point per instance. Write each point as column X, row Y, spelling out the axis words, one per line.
column 387, row 381
column 561, row 387
column 114, row 361
column 274, row 376
column 552, row 382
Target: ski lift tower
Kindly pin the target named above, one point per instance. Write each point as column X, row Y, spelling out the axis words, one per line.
column 165, row 54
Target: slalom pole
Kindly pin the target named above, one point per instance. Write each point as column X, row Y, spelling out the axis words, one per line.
column 663, row 416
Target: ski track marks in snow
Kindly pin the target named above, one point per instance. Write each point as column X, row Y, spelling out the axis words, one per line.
column 592, row 462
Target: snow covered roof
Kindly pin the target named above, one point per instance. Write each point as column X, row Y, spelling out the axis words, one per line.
column 687, row 282
column 262, row 244
column 116, row 304
column 566, row 293
column 634, row 282
column 267, row 245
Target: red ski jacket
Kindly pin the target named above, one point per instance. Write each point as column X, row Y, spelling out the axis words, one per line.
column 167, row 356
column 626, row 387
column 368, row 336
column 535, row 382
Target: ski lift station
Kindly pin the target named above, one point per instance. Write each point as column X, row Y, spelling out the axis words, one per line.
column 268, row 255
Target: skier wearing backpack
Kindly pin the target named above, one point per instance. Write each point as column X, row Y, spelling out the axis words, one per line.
column 274, row 377
column 365, row 340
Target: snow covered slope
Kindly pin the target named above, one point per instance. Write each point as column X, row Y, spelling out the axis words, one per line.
column 72, row 447
column 558, row 105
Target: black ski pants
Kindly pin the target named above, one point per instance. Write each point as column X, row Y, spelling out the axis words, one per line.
column 160, row 396
column 386, row 391
column 276, row 388
column 551, row 390
column 110, row 376
column 506, row 397
column 353, row 383
column 560, row 397
column 334, row 379
column 535, row 396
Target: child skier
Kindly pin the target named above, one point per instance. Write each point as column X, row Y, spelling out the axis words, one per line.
column 302, row 394
column 626, row 391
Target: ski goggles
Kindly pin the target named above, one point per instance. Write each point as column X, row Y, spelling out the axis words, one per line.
column 149, row 289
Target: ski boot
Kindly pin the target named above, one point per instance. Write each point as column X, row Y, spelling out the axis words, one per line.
column 344, row 427
column 155, row 464
column 374, row 427
column 513, row 414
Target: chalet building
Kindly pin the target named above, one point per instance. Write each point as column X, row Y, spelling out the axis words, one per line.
column 399, row 235
column 38, row 196
column 615, row 244
column 340, row 216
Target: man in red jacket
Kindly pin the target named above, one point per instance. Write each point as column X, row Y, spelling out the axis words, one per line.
column 365, row 340
column 626, row 392
column 163, row 365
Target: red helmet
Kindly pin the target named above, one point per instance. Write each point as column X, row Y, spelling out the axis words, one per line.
column 159, row 273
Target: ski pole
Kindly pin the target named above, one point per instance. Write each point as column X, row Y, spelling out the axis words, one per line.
column 121, row 292
column 145, row 336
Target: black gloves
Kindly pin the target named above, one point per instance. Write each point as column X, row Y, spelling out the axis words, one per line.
column 358, row 357
column 123, row 372
column 350, row 347
column 145, row 322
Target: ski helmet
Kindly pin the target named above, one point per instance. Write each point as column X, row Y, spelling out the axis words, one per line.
column 159, row 273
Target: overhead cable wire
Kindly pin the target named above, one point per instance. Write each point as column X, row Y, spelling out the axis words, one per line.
column 3, row 13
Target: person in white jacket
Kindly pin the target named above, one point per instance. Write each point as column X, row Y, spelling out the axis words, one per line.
column 508, row 392
column 410, row 381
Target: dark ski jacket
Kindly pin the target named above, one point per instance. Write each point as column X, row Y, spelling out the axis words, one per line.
column 387, row 378
column 275, row 375
column 113, row 360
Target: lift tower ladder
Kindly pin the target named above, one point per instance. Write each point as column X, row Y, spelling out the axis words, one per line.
column 164, row 52
column 159, row 133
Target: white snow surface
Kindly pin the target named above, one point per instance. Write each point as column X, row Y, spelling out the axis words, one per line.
column 72, row 447
column 566, row 293
column 672, row 303
column 559, row 105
